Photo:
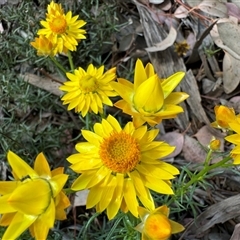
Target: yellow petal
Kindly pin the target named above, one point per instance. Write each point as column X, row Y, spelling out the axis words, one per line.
column 82, row 181
column 7, row 187
column 176, row 227
column 234, row 138
column 149, row 69
column 57, row 171
column 92, row 137
column 149, row 95
column 176, row 98
column 114, row 123
column 107, row 194
column 140, row 74
column 129, row 195
column 5, row 207
column 116, row 201
column 154, row 170
column 169, row 84
column 143, row 213
column 7, row 218
column 41, row 166
column 158, row 185
column 61, row 202
column 162, row 210
column 57, row 183
column 48, row 217
column 27, row 198
column 126, row 92
column 19, row 224
column 20, row 168
column 44, row 222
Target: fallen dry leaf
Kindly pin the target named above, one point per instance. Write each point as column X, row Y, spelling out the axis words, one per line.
column 214, row 8
column 181, row 12
column 43, row 83
column 233, row 10
column 231, row 73
column 167, row 42
column 193, row 151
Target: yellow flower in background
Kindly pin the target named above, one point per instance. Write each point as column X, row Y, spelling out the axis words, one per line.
column 224, row 116
column 156, row 225
column 235, row 139
column 44, row 46
column 120, row 165
column 214, row 144
column 33, row 200
column 63, row 30
column 89, row 90
column 149, row 99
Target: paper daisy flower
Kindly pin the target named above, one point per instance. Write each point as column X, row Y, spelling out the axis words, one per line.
column 89, row 90
column 61, row 29
column 119, row 166
column 33, row 200
column 44, row 47
column 156, row 225
column 149, row 99
column 224, row 116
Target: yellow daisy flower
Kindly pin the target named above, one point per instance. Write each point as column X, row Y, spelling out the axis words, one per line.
column 44, row 46
column 89, row 90
column 149, row 99
column 224, row 116
column 61, row 29
column 119, row 166
column 33, row 200
column 156, row 225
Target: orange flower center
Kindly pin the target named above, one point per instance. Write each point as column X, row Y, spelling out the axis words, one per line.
column 58, row 25
column 157, row 226
column 88, row 84
column 120, row 152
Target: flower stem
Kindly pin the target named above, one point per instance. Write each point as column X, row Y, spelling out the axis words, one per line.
column 198, row 177
column 70, row 61
column 59, row 66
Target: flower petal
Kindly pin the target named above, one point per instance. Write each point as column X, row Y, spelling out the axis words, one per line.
column 149, row 95
column 129, row 195
column 27, row 198
column 20, row 168
column 169, row 84
column 19, row 224
column 41, row 166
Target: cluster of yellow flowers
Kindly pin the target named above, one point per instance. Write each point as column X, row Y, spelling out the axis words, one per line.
column 119, row 165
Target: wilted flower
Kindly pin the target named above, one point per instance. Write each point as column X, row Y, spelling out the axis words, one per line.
column 181, row 48
column 150, row 99
column 44, row 46
column 224, row 116
column 156, row 225
column 88, row 91
column 120, row 165
column 33, row 200
column 61, row 29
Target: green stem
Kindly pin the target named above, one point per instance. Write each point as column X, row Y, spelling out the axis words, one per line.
column 198, row 177
column 62, row 69
column 70, row 61
column 87, row 121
